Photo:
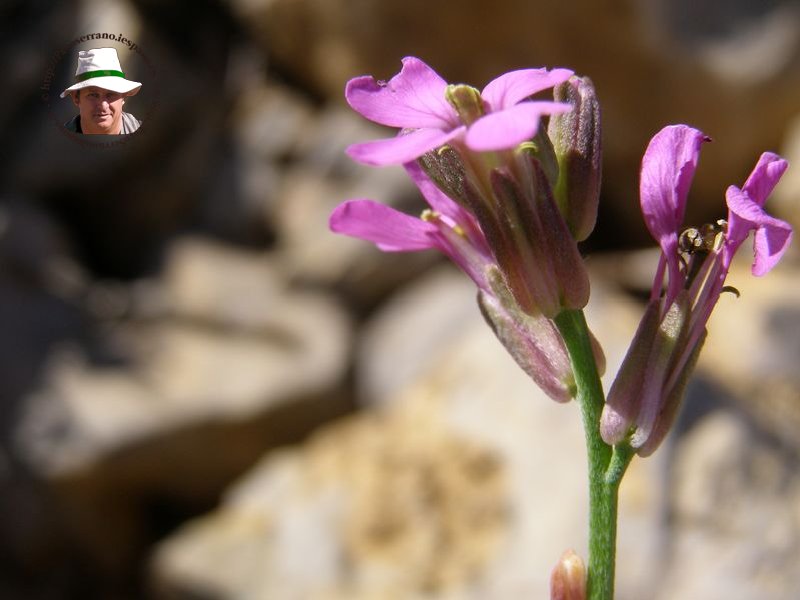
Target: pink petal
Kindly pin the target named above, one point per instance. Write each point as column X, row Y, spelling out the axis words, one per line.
column 759, row 185
column 401, row 149
column 769, row 245
column 772, row 237
column 412, row 98
column 510, row 88
column 765, row 176
column 510, row 127
column 668, row 167
column 387, row 228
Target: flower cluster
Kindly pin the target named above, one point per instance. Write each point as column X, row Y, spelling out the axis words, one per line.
column 512, row 181
column 508, row 200
column 645, row 396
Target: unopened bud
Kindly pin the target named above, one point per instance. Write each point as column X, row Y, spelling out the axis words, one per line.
column 646, row 394
column 576, row 139
column 568, row 579
column 518, row 240
column 466, row 100
column 667, row 346
column 672, row 401
column 533, row 341
column 570, row 271
column 624, row 398
column 531, row 242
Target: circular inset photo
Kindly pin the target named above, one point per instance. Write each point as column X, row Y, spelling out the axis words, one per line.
column 111, row 94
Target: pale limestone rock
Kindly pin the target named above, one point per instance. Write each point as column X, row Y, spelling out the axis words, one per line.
column 266, row 122
column 753, row 346
column 467, row 483
column 378, row 506
column 784, row 200
column 735, row 523
column 400, row 344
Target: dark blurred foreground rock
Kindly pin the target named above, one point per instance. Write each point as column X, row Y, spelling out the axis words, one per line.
column 217, row 362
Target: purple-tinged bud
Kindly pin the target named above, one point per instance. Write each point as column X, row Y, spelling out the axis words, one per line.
column 533, row 341
column 576, row 139
column 517, row 238
column 466, row 100
column 623, row 401
column 531, row 242
column 599, row 355
column 571, row 275
column 568, row 579
column 670, row 336
column 560, row 248
column 646, row 394
column 671, row 403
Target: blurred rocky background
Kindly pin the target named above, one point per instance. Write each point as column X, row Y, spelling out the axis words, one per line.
column 206, row 395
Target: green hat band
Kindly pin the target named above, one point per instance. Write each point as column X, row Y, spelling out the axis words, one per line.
column 105, row 73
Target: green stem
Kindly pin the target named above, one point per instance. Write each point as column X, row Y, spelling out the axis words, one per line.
column 606, row 466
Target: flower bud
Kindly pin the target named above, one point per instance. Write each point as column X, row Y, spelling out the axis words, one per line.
column 530, row 240
column 576, row 140
column 558, row 246
column 568, row 579
column 533, row 341
column 646, row 394
column 517, row 238
column 667, row 347
column 671, row 403
column 570, row 272
column 622, row 403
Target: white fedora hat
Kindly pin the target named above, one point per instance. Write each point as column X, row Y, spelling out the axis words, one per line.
column 100, row 67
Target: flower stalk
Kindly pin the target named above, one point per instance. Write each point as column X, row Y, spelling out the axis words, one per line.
column 606, row 465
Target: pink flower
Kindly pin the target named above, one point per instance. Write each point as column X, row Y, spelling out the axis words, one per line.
column 646, row 394
column 746, row 213
column 420, row 102
column 494, row 214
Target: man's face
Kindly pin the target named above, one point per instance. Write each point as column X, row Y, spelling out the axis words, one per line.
column 101, row 110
